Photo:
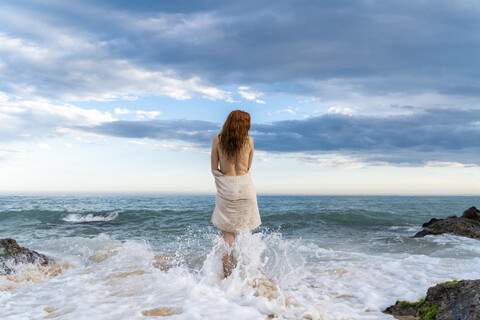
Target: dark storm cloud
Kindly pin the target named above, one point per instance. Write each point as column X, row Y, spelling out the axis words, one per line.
column 437, row 135
column 287, row 46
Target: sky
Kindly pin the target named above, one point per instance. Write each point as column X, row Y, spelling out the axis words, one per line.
column 364, row 97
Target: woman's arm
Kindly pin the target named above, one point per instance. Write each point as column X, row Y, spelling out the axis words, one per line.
column 214, row 155
column 250, row 156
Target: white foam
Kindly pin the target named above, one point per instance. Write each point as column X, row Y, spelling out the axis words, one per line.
column 75, row 218
column 406, row 228
column 292, row 279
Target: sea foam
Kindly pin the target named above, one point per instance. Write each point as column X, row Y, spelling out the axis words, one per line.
column 75, row 218
column 274, row 278
column 124, row 280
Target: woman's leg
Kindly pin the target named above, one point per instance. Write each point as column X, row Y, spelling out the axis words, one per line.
column 227, row 258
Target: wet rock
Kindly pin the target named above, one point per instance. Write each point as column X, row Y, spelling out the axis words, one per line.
column 403, row 309
column 162, row 262
column 59, row 313
column 265, row 288
column 445, row 301
column 104, row 252
column 49, row 309
column 468, row 225
column 12, row 253
column 4, row 269
column 126, row 274
column 162, row 312
column 337, row 271
column 31, row 274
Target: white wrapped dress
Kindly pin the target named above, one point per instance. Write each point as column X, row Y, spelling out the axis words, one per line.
column 236, row 207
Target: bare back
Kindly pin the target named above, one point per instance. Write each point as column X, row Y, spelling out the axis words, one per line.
column 242, row 163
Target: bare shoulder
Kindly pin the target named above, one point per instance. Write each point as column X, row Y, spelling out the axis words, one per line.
column 250, row 140
column 216, row 139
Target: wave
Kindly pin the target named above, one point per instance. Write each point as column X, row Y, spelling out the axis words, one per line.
column 76, row 218
column 274, row 277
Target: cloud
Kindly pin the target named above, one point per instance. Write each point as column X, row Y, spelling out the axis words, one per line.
column 12, row 153
column 31, row 119
column 445, row 164
column 369, row 46
column 288, row 110
column 193, row 131
column 123, row 111
column 442, row 128
column 440, row 135
column 73, row 66
column 147, row 114
column 141, row 114
column 140, row 143
column 170, row 145
column 333, row 160
column 249, row 94
column 193, row 28
column 395, row 83
column 345, row 110
column 435, row 137
column 107, row 50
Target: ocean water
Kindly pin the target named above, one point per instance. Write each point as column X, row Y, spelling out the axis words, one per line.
column 314, row 257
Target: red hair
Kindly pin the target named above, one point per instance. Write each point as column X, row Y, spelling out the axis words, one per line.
column 234, row 134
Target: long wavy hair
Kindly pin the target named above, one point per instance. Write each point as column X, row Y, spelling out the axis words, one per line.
column 234, row 134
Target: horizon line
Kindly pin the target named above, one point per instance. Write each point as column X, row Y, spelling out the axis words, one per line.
column 164, row 193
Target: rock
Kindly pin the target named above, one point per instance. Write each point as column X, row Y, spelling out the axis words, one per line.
column 31, row 274
column 162, row 262
column 49, row 309
column 403, row 309
column 11, row 252
column 473, row 214
column 265, row 288
column 126, row 274
column 468, row 225
column 432, row 221
column 457, row 300
column 104, row 252
column 337, row 271
column 445, row 301
column 4, row 269
column 161, row 312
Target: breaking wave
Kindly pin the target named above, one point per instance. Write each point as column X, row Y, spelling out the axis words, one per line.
column 75, row 218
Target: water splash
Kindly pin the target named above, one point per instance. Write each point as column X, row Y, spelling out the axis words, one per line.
column 268, row 271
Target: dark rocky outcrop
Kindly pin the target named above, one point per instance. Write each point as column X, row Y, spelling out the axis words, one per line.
column 447, row 301
column 472, row 214
column 468, row 225
column 12, row 253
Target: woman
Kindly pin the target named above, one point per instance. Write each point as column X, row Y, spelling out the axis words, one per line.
column 236, row 206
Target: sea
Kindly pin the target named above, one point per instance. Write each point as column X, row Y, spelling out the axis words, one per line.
column 159, row 257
